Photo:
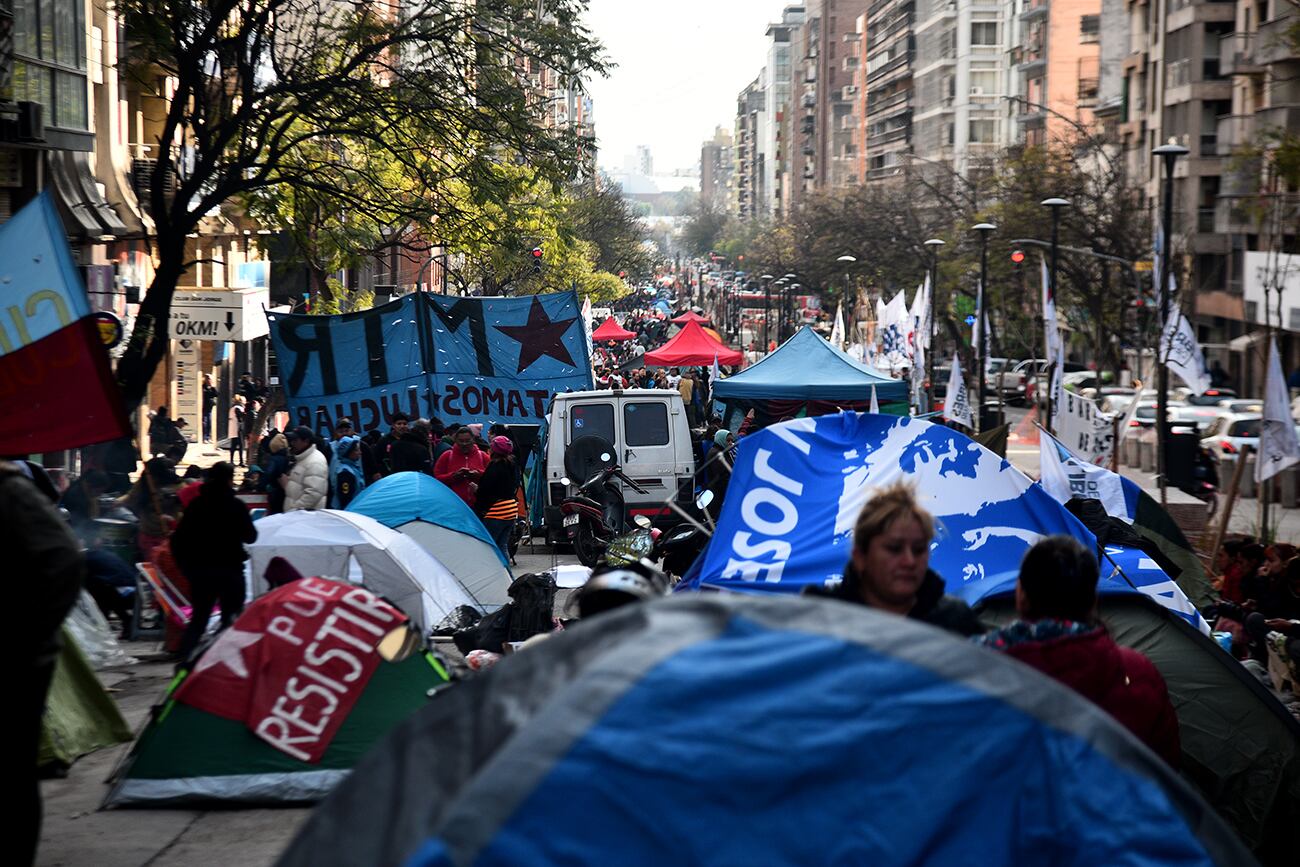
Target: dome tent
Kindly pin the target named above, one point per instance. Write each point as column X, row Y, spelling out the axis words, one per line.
column 336, row 544
column 423, row 508
column 894, row 744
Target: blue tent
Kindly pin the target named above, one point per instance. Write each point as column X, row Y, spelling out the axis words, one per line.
column 430, row 513
column 806, row 367
column 724, row 729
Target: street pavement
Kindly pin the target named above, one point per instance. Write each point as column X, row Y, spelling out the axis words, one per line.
column 76, row 832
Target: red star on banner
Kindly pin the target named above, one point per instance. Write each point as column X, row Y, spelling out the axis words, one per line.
column 539, row 336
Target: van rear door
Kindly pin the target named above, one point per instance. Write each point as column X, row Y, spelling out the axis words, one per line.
column 648, row 452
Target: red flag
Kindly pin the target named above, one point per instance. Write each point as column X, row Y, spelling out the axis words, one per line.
column 56, row 388
column 294, row 664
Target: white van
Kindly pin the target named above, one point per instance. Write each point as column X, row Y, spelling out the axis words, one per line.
column 651, row 438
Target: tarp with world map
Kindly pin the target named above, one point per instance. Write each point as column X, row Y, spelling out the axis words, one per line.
column 457, row 359
column 797, row 489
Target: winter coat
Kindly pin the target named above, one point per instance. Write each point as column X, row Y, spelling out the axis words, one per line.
column 499, row 482
column 410, row 453
column 1084, row 657
column 933, row 606
column 277, row 464
column 213, row 531
column 308, row 481
column 444, row 471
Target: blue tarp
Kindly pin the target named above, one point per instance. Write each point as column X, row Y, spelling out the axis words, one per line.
column 807, row 367
column 797, row 488
column 405, row 497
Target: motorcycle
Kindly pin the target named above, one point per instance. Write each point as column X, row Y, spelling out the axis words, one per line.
column 594, row 515
column 677, row 549
column 1204, row 482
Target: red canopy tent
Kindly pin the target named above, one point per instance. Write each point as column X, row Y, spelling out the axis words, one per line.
column 611, row 330
column 690, row 316
column 692, row 347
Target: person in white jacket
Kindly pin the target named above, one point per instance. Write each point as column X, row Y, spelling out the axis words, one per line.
column 307, row 482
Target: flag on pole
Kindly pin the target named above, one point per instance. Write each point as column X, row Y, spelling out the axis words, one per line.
column 1278, row 445
column 1065, row 476
column 956, row 406
column 715, row 375
column 1181, row 351
column 875, row 404
column 56, row 387
column 837, row 330
column 1051, row 330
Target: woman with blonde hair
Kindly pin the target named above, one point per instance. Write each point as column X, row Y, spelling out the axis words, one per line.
column 889, row 568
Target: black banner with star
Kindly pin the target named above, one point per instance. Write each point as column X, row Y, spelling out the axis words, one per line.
column 460, row 360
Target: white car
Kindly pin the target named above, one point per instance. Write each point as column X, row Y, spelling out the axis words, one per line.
column 1145, row 416
column 1230, row 432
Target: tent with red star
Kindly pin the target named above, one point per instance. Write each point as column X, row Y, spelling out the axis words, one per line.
column 693, row 347
column 281, row 705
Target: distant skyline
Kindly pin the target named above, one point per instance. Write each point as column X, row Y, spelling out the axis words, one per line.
column 680, row 65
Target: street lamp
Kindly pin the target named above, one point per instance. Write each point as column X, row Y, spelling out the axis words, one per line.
column 982, row 320
column 846, row 260
column 933, row 244
column 785, row 306
column 1170, row 153
column 767, row 306
column 1055, row 205
column 433, row 257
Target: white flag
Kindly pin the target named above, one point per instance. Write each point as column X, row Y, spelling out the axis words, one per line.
column 921, row 311
column 956, row 406
column 715, row 375
column 837, row 330
column 1179, row 347
column 1126, row 423
column 1278, row 446
column 1052, row 331
column 1068, row 477
column 586, row 323
column 875, row 405
column 1084, row 428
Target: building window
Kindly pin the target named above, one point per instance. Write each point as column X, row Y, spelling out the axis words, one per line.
column 50, row 59
column 984, row 33
column 983, row 131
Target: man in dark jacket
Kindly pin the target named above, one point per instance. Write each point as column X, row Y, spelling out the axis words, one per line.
column 401, row 426
column 208, row 545
column 1058, row 634
column 46, row 562
column 410, row 452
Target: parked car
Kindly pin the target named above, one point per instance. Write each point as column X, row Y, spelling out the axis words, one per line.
column 1226, row 436
column 1145, row 416
column 1000, row 376
column 1201, row 416
column 1242, row 405
column 1210, row 398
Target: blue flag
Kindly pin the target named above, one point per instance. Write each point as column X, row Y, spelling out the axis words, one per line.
column 461, row 360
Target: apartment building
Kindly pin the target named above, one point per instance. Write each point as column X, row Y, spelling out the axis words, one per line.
column 716, row 163
column 961, row 82
column 750, row 160
column 886, row 92
column 1056, row 63
column 781, row 71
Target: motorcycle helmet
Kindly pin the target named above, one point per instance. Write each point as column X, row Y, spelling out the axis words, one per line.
column 612, row 587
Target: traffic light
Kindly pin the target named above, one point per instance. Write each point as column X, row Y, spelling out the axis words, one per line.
column 537, row 260
column 1017, row 256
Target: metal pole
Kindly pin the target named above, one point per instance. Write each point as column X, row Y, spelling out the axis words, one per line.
column 1052, row 372
column 767, row 314
column 1170, row 153
column 983, row 320
column 934, row 244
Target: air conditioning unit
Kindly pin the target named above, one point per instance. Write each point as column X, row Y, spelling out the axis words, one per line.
column 31, row 121
column 977, row 91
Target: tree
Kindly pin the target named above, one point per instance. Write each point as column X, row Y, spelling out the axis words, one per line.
column 599, row 214
column 278, row 97
column 704, row 228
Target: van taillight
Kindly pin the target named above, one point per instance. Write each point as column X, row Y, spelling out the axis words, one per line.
column 1228, row 447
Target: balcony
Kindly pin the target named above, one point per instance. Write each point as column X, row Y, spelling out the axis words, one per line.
column 1285, row 116
column 1237, row 54
column 876, row 69
column 1235, row 131
column 900, row 133
column 1028, row 59
column 1035, row 9
column 883, row 105
column 1273, row 45
column 1209, row 144
column 1205, row 220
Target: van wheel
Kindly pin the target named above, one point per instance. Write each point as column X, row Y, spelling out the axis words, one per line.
column 588, row 548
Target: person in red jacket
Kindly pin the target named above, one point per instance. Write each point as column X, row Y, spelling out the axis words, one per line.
column 462, row 467
column 1058, row 633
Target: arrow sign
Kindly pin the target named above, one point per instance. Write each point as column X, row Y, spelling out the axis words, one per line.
column 230, row 320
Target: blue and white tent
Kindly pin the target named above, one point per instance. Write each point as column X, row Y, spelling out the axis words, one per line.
column 797, row 488
column 725, row 729
column 429, row 512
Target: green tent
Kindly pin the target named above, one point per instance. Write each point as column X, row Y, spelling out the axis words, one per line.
column 1153, row 522
column 186, row 755
column 1240, row 746
column 80, row 716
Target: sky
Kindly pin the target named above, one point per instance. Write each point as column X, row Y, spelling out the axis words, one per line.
column 680, row 65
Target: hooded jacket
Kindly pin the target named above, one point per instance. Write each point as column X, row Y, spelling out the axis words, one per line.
column 1084, row 657
column 410, row 453
column 933, row 606
column 308, row 481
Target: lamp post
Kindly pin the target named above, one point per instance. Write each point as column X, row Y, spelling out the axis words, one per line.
column 933, row 245
column 1170, row 153
column 1055, row 205
column 785, row 306
column 767, row 306
column 779, row 283
column 433, row 257
column 982, row 319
